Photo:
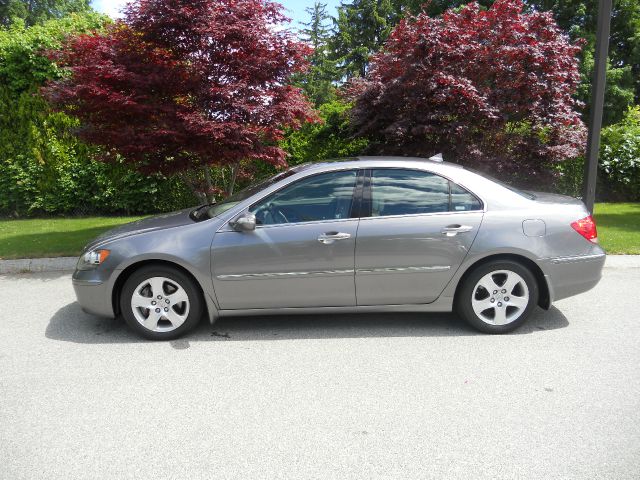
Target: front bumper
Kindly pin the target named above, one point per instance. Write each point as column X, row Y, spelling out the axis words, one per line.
column 93, row 293
column 568, row 276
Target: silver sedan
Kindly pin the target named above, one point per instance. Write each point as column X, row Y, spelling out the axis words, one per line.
column 355, row 235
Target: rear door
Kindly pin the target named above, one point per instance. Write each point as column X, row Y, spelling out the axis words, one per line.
column 416, row 230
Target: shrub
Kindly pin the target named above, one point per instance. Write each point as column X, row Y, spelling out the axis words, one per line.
column 619, row 163
column 44, row 169
column 620, row 158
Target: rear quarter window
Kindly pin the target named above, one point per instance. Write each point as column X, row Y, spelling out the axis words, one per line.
column 462, row 200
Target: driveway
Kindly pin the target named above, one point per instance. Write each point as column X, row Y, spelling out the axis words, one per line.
column 390, row 396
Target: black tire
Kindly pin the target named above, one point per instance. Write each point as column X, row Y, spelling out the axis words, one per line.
column 464, row 306
column 194, row 302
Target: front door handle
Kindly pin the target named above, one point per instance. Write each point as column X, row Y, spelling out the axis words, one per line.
column 330, row 237
column 453, row 230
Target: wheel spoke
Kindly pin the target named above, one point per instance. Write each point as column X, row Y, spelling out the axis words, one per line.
column 519, row 302
column 511, row 282
column 488, row 283
column 140, row 301
column 482, row 305
column 500, row 317
column 178, row 296
column 157, row 284
column 175, row 318
column 151, row 322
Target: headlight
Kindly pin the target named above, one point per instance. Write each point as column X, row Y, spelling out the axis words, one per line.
column 92, row 259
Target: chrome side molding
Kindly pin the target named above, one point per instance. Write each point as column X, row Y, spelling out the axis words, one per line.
column 435, row 268
column 244, row 276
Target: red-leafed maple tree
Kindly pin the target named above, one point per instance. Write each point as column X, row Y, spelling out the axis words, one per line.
column 184, row 84
column 491, row 88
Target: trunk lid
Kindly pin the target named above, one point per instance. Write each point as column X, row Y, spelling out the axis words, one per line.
column 545, row 197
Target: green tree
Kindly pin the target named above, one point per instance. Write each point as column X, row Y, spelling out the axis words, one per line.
column 360, row 30
column 433, row 7
column 43, row 167
column 578, row 18
column 23, row 63
column 32, row 12
column 318, row 81
column 34, row 144
column 333, row 138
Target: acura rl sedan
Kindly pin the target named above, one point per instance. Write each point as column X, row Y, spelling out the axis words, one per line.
column 354, row 235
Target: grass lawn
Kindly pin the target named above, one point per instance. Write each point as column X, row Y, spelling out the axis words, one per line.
column 618, row 232
column 619, row 227
column 52, row 237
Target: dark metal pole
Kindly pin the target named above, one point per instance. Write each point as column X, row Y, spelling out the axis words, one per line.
column 597, row 103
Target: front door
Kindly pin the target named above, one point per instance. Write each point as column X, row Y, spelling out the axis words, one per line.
column 419, row 229
column 301, row 253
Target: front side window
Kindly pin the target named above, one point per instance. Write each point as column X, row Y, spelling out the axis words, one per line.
column 230, row 202
column 412, row 192
column 327, row 196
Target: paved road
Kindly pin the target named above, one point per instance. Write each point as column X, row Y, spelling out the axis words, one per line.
column 350, row 396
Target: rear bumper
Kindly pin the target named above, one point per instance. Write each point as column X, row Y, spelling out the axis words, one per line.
column 568, row 276
column 94, row 297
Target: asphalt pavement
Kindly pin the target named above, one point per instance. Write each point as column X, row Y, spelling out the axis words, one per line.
column 389, row 396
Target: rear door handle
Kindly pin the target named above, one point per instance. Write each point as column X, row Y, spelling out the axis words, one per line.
column 453, row 230
column 330, row 237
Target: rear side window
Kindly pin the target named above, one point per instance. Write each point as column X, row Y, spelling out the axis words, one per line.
column 411, row 192
column 407, row 192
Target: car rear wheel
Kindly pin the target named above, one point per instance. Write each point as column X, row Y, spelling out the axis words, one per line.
column 498, row 296
column 160, row 303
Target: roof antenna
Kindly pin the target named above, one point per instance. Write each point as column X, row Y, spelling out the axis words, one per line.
column 437, row 158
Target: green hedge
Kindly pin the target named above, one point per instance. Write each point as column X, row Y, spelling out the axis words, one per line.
column 44, row 169
column 619, row 167
column 620, row 158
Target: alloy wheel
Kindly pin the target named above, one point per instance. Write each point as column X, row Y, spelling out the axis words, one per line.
column 160, row 304
column 500, row 297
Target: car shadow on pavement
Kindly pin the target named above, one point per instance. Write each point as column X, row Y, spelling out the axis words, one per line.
column 71, row 324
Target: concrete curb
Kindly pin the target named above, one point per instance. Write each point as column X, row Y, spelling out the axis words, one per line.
column 33, row 265
column 66, row 264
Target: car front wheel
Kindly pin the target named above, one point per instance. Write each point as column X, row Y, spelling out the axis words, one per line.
column 160, row 303
column 498, row 296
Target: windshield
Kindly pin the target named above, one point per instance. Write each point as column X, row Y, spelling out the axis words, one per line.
column 522, row 193
column 236, row 198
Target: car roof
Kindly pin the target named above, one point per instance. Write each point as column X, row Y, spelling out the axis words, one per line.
column 379, row 161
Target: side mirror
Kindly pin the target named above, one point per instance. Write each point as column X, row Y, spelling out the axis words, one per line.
column 244, row 223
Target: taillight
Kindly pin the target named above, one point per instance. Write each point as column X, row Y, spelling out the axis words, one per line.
column 587, row 228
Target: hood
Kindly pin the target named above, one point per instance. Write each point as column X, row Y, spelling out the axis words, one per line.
column 157, row 222
column 545, row 197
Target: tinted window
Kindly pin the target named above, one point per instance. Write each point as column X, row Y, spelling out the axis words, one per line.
column 238, row 197
column 462, row 200
column 327, row 196
column 407, row 192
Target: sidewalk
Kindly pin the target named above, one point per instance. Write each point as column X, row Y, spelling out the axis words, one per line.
column 67, row 264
